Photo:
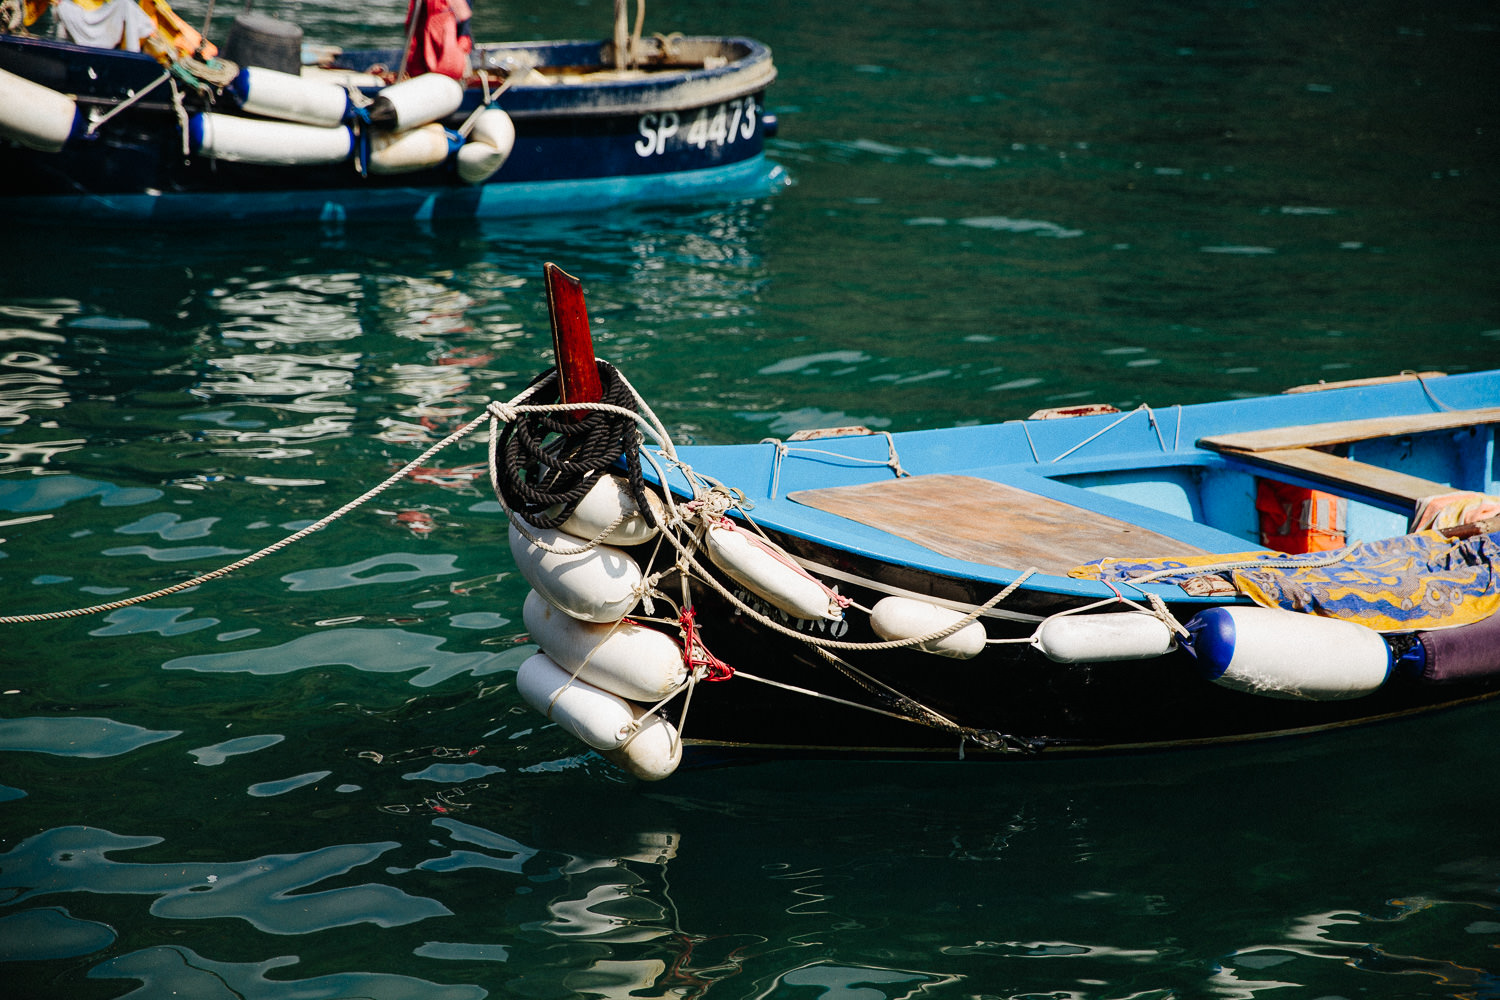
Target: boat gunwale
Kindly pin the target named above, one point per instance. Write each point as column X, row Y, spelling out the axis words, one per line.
column 780, row 515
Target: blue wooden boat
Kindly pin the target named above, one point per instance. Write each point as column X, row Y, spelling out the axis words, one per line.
column 190, row 133
column 1081, row 581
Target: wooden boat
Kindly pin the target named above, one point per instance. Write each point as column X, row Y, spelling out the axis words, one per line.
column 186, row 132
column 940, row 592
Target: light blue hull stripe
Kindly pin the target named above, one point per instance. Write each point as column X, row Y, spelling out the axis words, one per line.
column 752, row 178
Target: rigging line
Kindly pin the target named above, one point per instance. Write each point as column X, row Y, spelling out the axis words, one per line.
column 812, row 640
column 1106, row 429
column 271, row 549
column 825, row 697
column 874, row 685
column 1428, row 391
column 94, row 123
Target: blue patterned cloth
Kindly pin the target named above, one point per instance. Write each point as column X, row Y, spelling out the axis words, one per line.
column 1422, row 580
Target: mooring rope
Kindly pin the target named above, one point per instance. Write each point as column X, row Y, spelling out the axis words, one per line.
column 271, row 549
column 547, row 461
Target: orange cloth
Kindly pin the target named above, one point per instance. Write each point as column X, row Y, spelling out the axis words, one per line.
column 443, row 44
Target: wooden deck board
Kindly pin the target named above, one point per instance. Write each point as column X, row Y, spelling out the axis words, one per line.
column 987, row 522
column 1346, row 431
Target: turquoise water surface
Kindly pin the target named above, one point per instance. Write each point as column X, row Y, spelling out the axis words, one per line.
column 314, row 779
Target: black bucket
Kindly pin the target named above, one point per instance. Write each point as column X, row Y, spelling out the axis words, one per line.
column 261, row 40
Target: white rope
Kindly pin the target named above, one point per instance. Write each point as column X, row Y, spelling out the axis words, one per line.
column 492, row 413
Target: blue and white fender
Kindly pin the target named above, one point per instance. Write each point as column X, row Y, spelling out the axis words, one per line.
column 1117, row 635
column 255, row 140
column 487, row 147
column 1284, row 654
column 415, row 102
column 630, row 660
column 290, row 97
column 601, row 584
column 905, row 618
column 37, row 117
column 415, row 149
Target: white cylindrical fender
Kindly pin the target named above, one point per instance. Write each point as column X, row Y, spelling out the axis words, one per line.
column 487, row 147
column 36, row 116
column 905, row 618
column 403, row 152
column 1120, row 635
column 290, row 97
column 604, row 504
column 629, row 660
column 1284, row 654
column 598, row 718
column 598, row 585
column 652, row 753
column 767, row 570
column 416, row 101
column 252, row 140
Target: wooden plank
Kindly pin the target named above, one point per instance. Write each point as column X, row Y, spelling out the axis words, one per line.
column 1333, row 471
column 988, row 522
column 1345, row 431
column 1356, row 382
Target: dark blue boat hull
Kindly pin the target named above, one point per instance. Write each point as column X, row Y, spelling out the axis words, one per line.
column 577, row 148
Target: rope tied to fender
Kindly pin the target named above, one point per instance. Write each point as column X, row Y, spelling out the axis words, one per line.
column 547, row 461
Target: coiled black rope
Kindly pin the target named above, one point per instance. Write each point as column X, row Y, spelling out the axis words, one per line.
column 550, row 460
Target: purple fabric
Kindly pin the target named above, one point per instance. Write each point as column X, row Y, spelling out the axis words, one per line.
column 1462, row 653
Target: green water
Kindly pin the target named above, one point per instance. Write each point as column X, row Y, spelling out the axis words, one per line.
column 314, row 779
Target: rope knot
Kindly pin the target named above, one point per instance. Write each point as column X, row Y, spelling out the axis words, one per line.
column 713, row 668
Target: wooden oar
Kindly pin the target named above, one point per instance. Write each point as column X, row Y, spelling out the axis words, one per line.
column 572, row 344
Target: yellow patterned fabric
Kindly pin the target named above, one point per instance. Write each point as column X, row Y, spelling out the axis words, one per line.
column 1419, row 581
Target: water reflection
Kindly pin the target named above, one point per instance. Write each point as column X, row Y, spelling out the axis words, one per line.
column 291, row 310
column 77, row 736
column 371, row 650
column 269, row 892
column 167, row 971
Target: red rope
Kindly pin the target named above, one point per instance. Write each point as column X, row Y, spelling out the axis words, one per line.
column 718, row 670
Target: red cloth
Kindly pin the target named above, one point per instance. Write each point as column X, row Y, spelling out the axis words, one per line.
column 443, row 43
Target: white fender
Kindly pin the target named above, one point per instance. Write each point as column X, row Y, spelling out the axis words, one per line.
column 404, row 152
column 629, row 660
column 36, row 116
column 769, row 571
column 598, row 718
column 290, row 97
column 1284, row 654
column 1119, row 635
column 653, row 753
column 487, row 147
column 598, row 585
column 416, row 101
column 905, row 618
column 602, row 506
column 252, row 140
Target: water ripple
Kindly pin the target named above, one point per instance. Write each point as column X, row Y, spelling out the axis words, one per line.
column 78, row 736
column 268, row 892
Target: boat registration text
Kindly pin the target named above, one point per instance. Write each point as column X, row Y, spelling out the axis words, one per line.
column 720, row 125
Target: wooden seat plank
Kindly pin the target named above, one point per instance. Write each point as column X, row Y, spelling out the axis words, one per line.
column 1333, row 471
column 1346, row 431
column 982, row 521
